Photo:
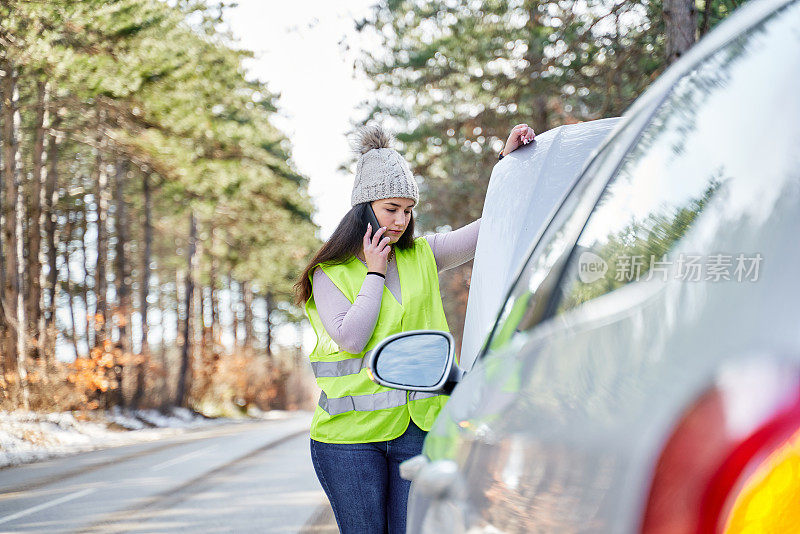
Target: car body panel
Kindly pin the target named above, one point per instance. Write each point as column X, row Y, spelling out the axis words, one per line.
column 559, row 428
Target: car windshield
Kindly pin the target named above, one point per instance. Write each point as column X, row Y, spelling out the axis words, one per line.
column 702, row 148
column 718, row 125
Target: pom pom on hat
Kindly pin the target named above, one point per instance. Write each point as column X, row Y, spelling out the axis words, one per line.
column 370, row 137
column 381, row 172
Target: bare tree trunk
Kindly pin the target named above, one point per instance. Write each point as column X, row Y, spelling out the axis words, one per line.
column 541, row 114
column 6, row 364
column 619, row 61
column 102, row 330
column 144, row 283
column 268, row 319
column 102, row 197
column 247, row 297
column 680, row 27
column 197, row 351
column 184, row 381
column 212, row 282
column 67, row 240
column 298, row 348
column 22, row 321
column 50, row 229
column 205, row 329
column 133, row 308
column 10, row 118
column 180, row 287
column 85, row 285
column 162, row 307
column 234, row 298
column 123, row 273
column 13, row 297
column 212, row 326
column 533, row 57
column 198, row 320
column 35, row 303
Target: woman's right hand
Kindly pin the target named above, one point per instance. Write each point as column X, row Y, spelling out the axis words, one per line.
column 376, row 250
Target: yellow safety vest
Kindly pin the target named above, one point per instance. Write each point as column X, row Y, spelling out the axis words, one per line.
column 352, row 408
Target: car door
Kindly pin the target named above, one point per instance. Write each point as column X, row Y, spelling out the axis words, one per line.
column 559, row 426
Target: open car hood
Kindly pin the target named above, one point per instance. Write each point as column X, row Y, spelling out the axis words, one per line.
column 524, row 190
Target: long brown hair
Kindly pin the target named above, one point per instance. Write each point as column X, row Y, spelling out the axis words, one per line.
column 344, row 243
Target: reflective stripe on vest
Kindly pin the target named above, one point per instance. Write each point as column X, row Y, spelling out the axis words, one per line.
column 352, row 366
column 362, row 403
column 419, row 395
column 369, row 403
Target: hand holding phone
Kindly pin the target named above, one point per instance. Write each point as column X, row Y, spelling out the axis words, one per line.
column 376, row 243
column 370, row 218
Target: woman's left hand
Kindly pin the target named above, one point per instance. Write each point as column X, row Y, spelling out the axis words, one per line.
column 521, row 134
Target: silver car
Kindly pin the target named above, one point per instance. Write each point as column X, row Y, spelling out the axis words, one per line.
column 632, row 352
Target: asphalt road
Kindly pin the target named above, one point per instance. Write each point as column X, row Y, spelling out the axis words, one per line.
column 238, row 477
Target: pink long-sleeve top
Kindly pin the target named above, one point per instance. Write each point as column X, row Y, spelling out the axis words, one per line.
column 351, row 325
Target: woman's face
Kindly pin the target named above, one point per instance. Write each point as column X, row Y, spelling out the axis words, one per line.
column 394, row 214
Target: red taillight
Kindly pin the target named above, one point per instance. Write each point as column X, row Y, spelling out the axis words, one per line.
column 733, row 433
column 769, row 501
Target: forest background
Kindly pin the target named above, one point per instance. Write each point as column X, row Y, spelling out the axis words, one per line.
column 144, row 185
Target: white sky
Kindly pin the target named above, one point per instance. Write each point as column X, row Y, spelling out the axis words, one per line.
column 298, row 55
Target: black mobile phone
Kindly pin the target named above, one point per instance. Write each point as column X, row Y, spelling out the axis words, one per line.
column 369, row 217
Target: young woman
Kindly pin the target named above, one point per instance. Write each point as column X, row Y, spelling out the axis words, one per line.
column 364, row 285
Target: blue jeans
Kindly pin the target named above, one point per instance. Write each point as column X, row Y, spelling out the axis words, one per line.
column 363, row 484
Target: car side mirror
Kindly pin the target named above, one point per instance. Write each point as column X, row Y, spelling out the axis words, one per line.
column 417, row 360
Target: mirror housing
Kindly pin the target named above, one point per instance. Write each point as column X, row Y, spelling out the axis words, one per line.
column 417, row 360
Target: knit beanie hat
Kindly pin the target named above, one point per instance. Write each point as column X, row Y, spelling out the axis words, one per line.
column 381, row 171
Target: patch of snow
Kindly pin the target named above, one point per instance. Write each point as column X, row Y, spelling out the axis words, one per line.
column 30, row 437
column 272, row 414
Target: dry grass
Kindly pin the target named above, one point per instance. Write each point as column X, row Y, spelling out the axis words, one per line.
column 221, row 384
